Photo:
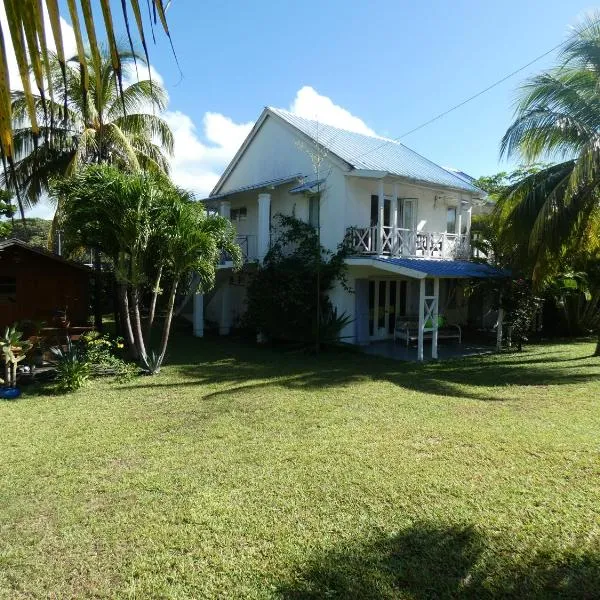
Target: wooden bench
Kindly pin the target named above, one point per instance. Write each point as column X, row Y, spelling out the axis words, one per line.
column 408, row 331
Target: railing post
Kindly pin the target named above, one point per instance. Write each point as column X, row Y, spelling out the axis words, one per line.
column 380, row 215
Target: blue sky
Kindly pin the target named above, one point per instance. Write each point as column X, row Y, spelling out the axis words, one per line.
column 392, row 64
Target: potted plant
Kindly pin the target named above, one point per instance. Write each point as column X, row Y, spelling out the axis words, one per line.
column 14, row 349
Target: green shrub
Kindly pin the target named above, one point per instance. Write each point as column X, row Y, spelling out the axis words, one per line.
column 103, row 355
column 72, row 368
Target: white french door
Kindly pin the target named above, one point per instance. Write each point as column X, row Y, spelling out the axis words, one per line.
column 387, row 300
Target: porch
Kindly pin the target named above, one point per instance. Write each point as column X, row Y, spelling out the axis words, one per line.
column 446, row 350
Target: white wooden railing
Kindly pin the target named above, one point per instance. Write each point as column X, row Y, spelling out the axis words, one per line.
column 396, row 241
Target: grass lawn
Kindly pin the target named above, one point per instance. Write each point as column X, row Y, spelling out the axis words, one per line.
column 252, row 473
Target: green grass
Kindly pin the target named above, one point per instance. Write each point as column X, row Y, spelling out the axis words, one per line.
column 253, row 473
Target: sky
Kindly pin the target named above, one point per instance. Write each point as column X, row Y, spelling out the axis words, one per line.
column 383, row 66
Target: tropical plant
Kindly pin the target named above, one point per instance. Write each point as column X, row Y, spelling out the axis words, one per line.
column 100, row 126
column 28, row 36
column 14, row 350
column 128, row 216
column 104, row 354
column 288, row 296
column 558, row 117
column 72, row 367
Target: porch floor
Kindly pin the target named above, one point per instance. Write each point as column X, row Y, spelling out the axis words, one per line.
column 446, row 349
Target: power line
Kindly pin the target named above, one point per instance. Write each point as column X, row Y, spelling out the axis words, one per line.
column 480, row 93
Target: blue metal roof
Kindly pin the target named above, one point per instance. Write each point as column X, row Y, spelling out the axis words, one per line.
column 255, row 186
column 376, row 153
column 306, row 187
column 462, row 269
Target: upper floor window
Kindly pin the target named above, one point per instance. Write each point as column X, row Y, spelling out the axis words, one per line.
column 239, row 214
column 451, row 220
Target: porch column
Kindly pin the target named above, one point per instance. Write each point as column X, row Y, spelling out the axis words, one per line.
column 435, row 313
column 380, row 213
column 499, row 329
column 361, row 307
column 421, row 319
column 264, row 225
column 199, row 315
column 225, row 209
column 394, row 220
column 225, row 320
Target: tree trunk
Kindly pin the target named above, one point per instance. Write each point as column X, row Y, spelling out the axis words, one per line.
column 97, row 290
column 127, row 330
column 597, row 352
column 155, row 291
column 137, row 327
column 167, row 325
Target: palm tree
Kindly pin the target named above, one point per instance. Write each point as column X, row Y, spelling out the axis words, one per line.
column 557, row 117
column 127, row 216
column 26, row 32
column 101, row 125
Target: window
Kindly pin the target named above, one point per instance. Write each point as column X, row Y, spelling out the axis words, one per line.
column 451, row 220
column 313, row 211
column 239, row 214
column 407, row 213
column 8, row 290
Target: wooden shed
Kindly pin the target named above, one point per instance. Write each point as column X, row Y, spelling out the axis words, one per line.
column 36, row 285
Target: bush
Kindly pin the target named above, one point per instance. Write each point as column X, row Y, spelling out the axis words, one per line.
column 104, row 356
column 72, row 368
column 288, row 296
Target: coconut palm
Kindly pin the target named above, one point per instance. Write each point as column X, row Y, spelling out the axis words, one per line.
column 557, row 117
column 97, row 126
column 26, row 32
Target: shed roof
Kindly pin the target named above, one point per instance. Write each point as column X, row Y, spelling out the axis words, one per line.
column 16, row 243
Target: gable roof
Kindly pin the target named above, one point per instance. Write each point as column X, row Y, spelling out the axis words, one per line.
column 16, row 243
column 374, row 153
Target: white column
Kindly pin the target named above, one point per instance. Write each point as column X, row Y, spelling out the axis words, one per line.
column 225, row 320
column 225, row 209
column 394, row 220
column 459, row 219
column 264, row 224
column 436, row 303
column 380, row 213
column 421, row 319
column 199, row 315
column 499, row 329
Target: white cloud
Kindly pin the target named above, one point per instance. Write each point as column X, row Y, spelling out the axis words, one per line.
column 197, row 165
column 309, row 104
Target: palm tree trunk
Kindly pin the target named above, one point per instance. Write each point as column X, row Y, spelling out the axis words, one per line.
column 126, row 319
column 97, row 290
column 155, row 292
column 167, row 325
column 137, row 327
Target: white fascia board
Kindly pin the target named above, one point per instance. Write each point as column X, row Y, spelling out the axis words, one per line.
column 382, row 266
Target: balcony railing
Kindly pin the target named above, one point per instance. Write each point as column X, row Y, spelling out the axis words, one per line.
column 395, row 241
column 249, row 246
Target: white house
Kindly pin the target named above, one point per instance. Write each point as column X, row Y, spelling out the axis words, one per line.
column 410, row 220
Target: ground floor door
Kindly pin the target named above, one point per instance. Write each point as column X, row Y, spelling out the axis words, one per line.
column 387, row 301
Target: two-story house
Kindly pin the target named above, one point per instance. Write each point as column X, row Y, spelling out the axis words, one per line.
column 409, row 218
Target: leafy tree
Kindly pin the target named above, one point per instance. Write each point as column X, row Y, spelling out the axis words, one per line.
column 288, row 295
column 99, row 126
column 33, row 231
column 127, row 216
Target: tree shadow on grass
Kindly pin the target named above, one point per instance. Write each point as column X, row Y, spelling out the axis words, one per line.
column 429, row 561
column 243, row 367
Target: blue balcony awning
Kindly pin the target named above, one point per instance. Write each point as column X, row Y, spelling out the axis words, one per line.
column 459, row 269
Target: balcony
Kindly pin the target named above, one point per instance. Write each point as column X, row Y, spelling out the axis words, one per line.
column 395, row 241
